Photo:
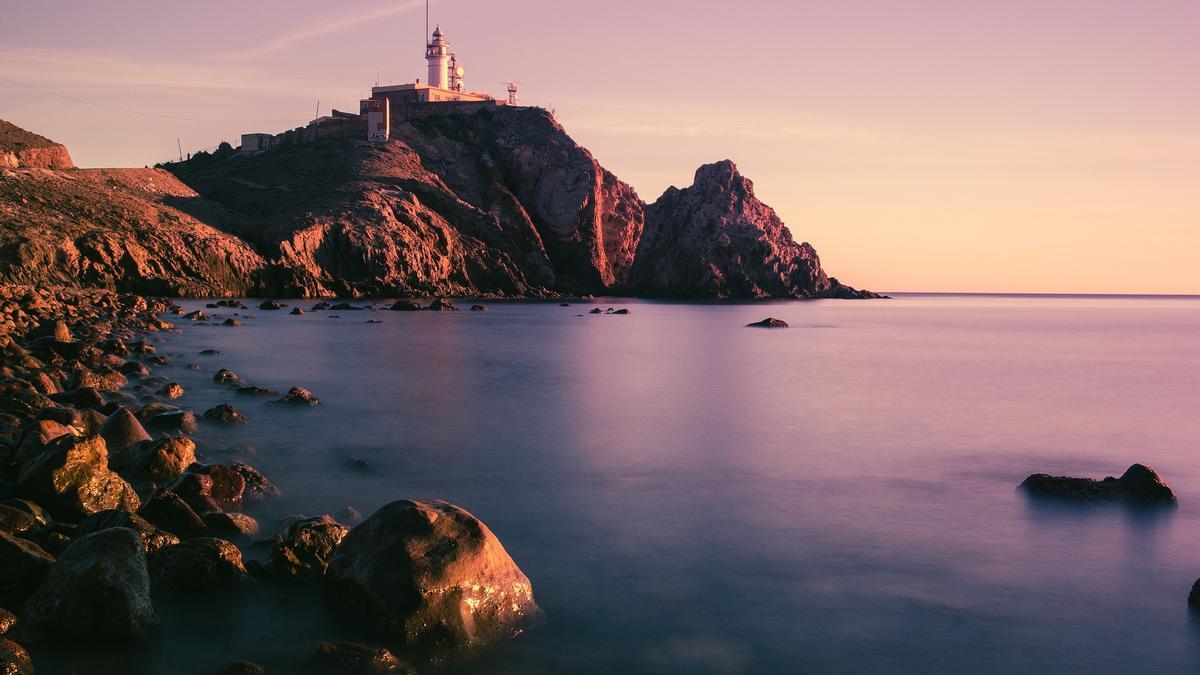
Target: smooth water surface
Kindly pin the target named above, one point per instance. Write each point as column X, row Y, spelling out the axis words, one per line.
column 689, row 495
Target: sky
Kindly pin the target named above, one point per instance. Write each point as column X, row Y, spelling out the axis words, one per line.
column 919, row 145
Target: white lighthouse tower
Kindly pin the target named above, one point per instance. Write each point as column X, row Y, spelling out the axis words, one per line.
column 437, row 52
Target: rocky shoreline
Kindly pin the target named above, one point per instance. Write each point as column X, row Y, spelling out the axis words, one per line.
column 112, row 509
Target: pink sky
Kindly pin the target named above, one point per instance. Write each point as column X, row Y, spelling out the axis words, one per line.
column 919, row 145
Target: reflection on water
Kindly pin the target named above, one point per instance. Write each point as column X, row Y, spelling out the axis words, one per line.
column 688, row 495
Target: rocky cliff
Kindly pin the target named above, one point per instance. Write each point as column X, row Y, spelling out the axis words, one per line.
column 498, row 202
column 138, row 230
column 715, row 239
column 21, row 148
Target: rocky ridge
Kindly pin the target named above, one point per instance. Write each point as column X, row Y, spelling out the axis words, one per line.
column 491, row 203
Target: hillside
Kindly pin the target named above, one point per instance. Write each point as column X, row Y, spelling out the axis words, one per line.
column 21, row 148
column 496, row 202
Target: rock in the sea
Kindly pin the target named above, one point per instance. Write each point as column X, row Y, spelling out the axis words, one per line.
column 251, row 390
column 304, row 549
column 1139, row 484
column 769, row 322
column 270, row 305
column 223, row 524
column 158, row 461
column 715, row 239
column 198, row 567
column 154, row 538
column 172, row 390
column 7, row 620
column 405, row 306
column 160, row 418
column 211, row 487
column 99, row 588
column 348, row 658
column 429, row 573
column 225, row 414
column 14, row 660
column 231, row 322
column 441, row 305
column 226, row 376
column 479, row 308
column 71, row 478
column 170, row 512
column 299, row 396
column 122, row 430
column 16, row 522
column 258, row 487
column 296, row 311
column 241, row 668
column 23, row 565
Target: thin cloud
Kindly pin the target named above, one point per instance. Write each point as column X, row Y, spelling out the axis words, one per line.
column 315, row 30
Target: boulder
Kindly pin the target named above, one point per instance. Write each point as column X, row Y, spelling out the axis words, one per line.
column 159, row 461
column 198, row 567
column 24, row 565
column 171, row 391
column 211, row 487
column 1139, row 484
column 270, row 306
column 154, row 538
column 441, row 305
column 241, row 668
column 258, row 486
column 83, row 397
column 348, row 658
column 226, row 376
column 7, row 621
column 299, row 396
column 14, row 660
column 37, row 436
column 122, row 430
column 99, row 588
column 296, row 311
column 170, row 512
column 169, row 421
column 228, row 525
column 225, row 414
column 234, row 323
column 769, row 322
column 134, row 369
column 405, row 306
column 248, row 390
column 304, row 549
column 71, row 478
column 16, row 522
column 428, row 573
column 479, row 308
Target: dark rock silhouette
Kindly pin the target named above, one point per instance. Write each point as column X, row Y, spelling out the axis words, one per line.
column 768, row 322
column 1139, row 484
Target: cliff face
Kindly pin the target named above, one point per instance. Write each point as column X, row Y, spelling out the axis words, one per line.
column 24, row 149
column 498, row 202
column 715, row 239
column 126, row 229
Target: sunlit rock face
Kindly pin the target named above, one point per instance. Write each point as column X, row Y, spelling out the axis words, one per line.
column 24, row 149
column 429, row 574
column 715, row 239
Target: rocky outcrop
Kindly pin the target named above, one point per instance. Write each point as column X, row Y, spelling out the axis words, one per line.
column 99, row 588
column 715, row 239
column 1139, row 484
column 24, row 149
column 494, row 202
column 429, row 574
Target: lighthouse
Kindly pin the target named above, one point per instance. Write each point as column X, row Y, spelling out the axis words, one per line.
column 437, row 53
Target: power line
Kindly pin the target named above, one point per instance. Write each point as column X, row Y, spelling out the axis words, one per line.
column 146, row 114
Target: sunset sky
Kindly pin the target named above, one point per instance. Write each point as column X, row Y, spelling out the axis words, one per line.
column 940, row 145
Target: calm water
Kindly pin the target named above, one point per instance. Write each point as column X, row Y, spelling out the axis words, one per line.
column 688, row 495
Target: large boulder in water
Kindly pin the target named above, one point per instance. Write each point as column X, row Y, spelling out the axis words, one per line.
column 99, row 588
column 348, row 658
column 122, row 430
column 1139, row 484
column 304, row 549
column 23, row 565
column 161, row 461
column 71, row 478
column 153, row 538
column 198, row 567
column 430, row 574
column 14, row 660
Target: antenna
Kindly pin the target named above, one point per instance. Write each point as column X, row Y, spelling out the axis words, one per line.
column 512, row 90
column 179, row 146
column 318, row 109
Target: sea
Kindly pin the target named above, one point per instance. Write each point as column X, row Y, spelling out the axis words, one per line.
column 689, row 495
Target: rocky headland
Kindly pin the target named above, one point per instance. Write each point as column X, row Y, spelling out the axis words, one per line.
column 112, row 509
column 491, row 203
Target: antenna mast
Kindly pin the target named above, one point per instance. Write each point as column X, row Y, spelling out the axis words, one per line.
column 426, row 21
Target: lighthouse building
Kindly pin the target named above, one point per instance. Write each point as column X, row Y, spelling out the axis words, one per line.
column 444, row 85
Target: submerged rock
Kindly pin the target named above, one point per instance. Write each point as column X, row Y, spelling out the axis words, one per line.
column 348, row 658
column 299, row 396
column 1139, row 484
column 429, row 573
column 258, row 487
column 14, row 660
column 441, row 305
column 197, row 568
column 304, row 549
column 99, row 588
column 270, row 305
column 769, row 322
column 405, row 306
column 225, row 414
